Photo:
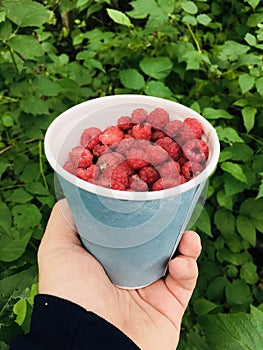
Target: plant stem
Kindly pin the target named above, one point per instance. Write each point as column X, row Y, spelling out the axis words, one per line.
column 194, row 38
column 41, row 163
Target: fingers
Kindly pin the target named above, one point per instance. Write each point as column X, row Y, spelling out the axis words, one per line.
column 190, row 245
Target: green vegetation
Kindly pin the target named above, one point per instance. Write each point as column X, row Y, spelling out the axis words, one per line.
column 204, row 54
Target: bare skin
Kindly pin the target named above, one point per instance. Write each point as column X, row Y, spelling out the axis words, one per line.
column 150, row 316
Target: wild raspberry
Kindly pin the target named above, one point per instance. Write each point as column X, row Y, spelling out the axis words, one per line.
column 162, row 183
column 169, row 169
column 191, row 169
column 116, row 185
column 148, row 174
column 170, row 146
column 125, row 166
column 81, row 157
column 119, row 174
column 98, row 150
column 111, row 135
column 137, row 184
column 138, row 115
column 142, row 131
column 196, row 150
column 195, row 126
column 88, row 134
column 91, row 172
column 173, row 128
column 70, row 167
column 155, row 154
column 157, row 134
column 185, row 135
column 136, row 158
column 124, row 145
column 158, row 118
column 125, row 123
column 109, row 159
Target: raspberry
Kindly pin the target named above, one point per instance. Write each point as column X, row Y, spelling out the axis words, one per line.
column 191, row 169
column 136, row 158
column 125, row 123
column 158, row 118
column 125, row 145
column 170, row 169
column 137, row 184
column 148, row 174
column 185, row 135
column 157, row 134
column 81, row 157
column 195, row 126
column 115, row 185
column 155, row 154
column 109, row 159
column 88, row 134
column 111, row 135
column 142, row 131
column 138, row 115
column 91, row 172
column 173, row 128
column 181, row 160
column 196, row 150
column 98, row 150
column 170, row 146
column 162, row 183
column 125, row 166
column 117, row 174
column 70, row 167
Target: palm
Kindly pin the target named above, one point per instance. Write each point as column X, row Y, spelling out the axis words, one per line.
column 151, row 316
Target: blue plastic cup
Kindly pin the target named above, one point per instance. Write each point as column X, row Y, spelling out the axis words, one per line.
column 132, row 234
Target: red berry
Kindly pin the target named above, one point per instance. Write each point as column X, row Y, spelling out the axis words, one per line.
column 196, row 150
column 125, row 145
column 120, row 175
column 191, row 169
column 195, row 126
column 157, row 134
column 155, row 154
column 138, row 115
column 98, row 150
column 142, row 131
column 125, row 166
column 136, row 158
column 109, row 159
column 111, row 135
column 115, row 185
column 162, row 183
column 170, row 146
column 173, row 128
column 148, row 174
column 70, row 167
column 125, row 123
column 81, row 157
column 158, row 118
column 169, row 169
column 88, row 134
column 91, row 172
column 137, row 184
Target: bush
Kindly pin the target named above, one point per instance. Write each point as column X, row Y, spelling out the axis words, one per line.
column 204, row 54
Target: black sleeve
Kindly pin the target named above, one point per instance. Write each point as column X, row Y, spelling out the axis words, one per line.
column 58, row 324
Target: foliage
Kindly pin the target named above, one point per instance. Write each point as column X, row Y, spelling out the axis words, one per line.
column 204, row 54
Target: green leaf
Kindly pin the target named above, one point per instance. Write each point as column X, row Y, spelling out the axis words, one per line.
column 235, row 331
column 248, row 114
column 247, row 229
column 132, row 79
column 158, row 89
column 203, row 307
column 235, row 170
column 2, row 14
column 119, row 17
column 259, row 85
column 26, row 216
column 203, row 19
column 20, row 309
column 189, row 7
column 260, row 190
column 238, row 293
column 20, row 196
column 26, row 46
column 253, row 3
column 26, row 13
column 34, row 105
column 216, row 289
column 5, row 217
column 156, row 67
column 246, row 82
column 248, row 273
column 253, row 209
column 225, row 222
column 189, row 20
column 4, row 164
column 5, row 30
column 238, row 151
column 11, row 248
column 251, row 39
column 45, row 86
column 212, row 113
column 204, row 223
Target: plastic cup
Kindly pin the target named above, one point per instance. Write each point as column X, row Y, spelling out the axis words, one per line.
column 132, row 234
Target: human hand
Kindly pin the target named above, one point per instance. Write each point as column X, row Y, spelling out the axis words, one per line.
column 150, row 316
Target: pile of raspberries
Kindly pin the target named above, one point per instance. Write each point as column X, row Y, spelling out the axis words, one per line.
column 143, row 152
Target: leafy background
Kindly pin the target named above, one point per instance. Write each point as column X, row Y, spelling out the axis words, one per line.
column 204, row 54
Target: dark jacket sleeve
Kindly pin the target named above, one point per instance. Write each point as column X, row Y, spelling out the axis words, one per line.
column 58, row 324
